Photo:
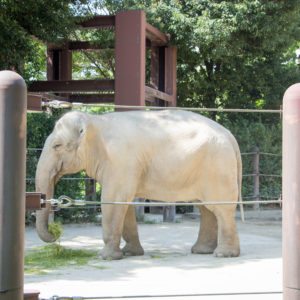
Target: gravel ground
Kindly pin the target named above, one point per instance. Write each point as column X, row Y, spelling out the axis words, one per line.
column 168, row 267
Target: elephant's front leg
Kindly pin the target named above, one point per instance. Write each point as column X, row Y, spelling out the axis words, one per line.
column 130, row 234
column 113, row 217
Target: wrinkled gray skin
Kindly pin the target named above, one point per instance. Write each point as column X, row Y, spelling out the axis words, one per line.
column 166, row 156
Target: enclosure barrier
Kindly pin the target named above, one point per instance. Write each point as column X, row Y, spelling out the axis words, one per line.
column 77, row 105
column 66, row 202
column 291, row 193
column 254, row 173
column 166, row 296
column 12, row 184
column 12, row 205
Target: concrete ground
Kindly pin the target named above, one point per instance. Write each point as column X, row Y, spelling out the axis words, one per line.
column 168, row 267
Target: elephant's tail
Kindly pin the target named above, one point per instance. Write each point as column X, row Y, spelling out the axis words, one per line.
column 239, row 174
column 240, row 178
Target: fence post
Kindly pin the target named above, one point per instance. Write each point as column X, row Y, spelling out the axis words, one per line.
column 291, row 193
column 90, row 189
column 169, row 214
column 12, row 184
column 256, row 191
column 140, row 210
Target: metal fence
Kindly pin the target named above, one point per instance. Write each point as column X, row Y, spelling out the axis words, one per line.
column 258, row 184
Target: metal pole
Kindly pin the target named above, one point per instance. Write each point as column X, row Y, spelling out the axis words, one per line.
column 256, row 192
column 291, row 193
column 12, row 183
column 130, row 51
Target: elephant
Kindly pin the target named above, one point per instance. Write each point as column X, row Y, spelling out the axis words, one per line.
column 165, row 155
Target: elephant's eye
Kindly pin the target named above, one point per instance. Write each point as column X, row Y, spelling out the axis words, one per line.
column 57, row 146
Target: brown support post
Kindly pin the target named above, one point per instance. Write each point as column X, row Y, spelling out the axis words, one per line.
column 130, row 52
column 165, row 60
column 154, row 78
column 12, row 184
column 170, row 74
column 291, row 193
column 31, row 295
column 256, row 171
column 65, row 65
column 59, row 64
column 50, row 75
column 90, row 189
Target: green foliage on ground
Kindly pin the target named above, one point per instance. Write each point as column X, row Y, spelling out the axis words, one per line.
column 42, row 260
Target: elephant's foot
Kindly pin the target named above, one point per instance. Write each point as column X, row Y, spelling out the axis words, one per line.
column 132, row 250
column 109, row 253
column 203, row 248
column 227, row 251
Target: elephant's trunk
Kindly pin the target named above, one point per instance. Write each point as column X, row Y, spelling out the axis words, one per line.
column 45, row 179
column 42, row 217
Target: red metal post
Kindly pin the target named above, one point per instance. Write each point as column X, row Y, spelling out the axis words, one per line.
column 65, row 65
column 59, row 64
column 12, row 183
column 31, row 295
column 50, row 64
column 291, row 193
column 170, row 74
column 130, row 53
column 154, row 78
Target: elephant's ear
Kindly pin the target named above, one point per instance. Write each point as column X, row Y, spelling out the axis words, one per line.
column 85, row 130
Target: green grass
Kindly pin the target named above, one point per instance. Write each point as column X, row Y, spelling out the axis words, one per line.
column 43, row 260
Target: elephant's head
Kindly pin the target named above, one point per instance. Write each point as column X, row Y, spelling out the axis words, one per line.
column 63, row 153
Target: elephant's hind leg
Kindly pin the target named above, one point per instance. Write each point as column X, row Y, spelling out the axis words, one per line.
column 130, row 235
column 228, row 240
column 207, row 238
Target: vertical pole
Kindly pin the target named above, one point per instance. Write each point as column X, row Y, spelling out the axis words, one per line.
column 12, row 183
column 90, row 189
column 154, row 78
column 170, row 73
column 59, row 64
column 140, row 210
column 130, row 53
column 52, row 64
column 291, row 193
column 65, row 64
column 169, row 213
column 256, row 191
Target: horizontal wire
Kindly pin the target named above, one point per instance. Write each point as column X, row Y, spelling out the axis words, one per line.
column 89, row 178
column 192, row 203
column 169, row 295
column 65, row 104
column 243, row 153
column 262, row 175
column 66, row 178
column 66, row 201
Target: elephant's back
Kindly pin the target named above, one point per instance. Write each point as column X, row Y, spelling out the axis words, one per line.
column 164, row 122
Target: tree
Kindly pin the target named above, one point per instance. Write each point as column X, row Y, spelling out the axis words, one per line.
column 230, row 53
column 24, row 23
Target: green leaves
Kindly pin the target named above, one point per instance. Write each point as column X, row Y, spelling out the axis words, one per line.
column 23, row 22
column 42, row 260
